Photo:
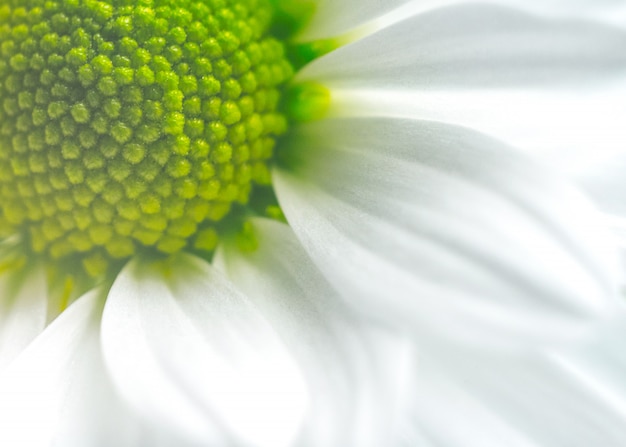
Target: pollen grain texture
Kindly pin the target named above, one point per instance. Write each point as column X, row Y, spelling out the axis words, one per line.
column 133, row 124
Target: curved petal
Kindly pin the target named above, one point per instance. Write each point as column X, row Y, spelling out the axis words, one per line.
column 601, row 361
column 605, row 181
column 608, row 11
column 355, row 373
column 333, row 18
column 554, row 88
column 446, row 230
column 475, row 45
column 528, row 401
column 23, row 307
column 56, row 392
column 438, row 400
column 189, row 352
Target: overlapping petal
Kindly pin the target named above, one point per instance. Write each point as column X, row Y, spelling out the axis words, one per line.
column 450, row 47
column 568, row 75
column 23, row 307
column 352, row 368
column 521, row 402
column 446, row 230
column 191, row 353
column 600, row 361
column 605, row 181
column 332, row 18
column 56, row 391
column 412, row 222
column 547, row 86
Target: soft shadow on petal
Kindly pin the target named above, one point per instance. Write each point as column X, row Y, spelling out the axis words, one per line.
column 551, row 87
column 511, row 401
column 56, row 391
column 606, row 183
column 23, row 307
column 190, row 352
column 608, row 11
column 332, row 17
column 601, row 361
column 446, row 230
column 354, row 371
column 444, row 414
column 475, row 46
column 611, row 12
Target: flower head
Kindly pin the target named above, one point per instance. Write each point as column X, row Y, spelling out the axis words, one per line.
column 281, row 223
column 129, row 127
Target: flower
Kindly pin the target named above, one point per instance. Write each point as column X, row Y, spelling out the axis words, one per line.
column 432, row 284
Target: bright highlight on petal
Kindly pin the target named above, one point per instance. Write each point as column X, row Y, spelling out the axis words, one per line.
column 357, row 368
column 332, row 18
column 51, row 395
column 23, row 310
column 528, row 400
column 504, row 72
column 456, row 236
column 190, row 352
column 474, row 46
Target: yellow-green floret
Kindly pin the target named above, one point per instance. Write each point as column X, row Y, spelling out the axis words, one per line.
column 129, row 124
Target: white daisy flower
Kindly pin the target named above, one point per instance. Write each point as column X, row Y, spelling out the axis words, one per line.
column 410, row 241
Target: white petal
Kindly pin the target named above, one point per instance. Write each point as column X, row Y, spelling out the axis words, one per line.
column 354, row 372
column 22, row 310
column 606, row 11
column 447, row 415
column 446, row 230
column 474, row 46
column 55, row 392
column 618, row 225
column 30, row 396
column 601, row 361
column 605, row 181
column 332, row 17
column 576, row 134
column 549, row 87
column 513, row 402
column 189, row 352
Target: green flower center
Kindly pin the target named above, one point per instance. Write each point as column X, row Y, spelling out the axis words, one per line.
column 134, row 125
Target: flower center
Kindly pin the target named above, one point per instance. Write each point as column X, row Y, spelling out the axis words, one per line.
column 134, row 124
